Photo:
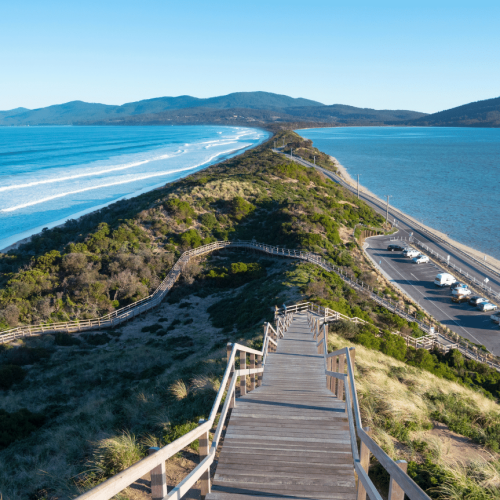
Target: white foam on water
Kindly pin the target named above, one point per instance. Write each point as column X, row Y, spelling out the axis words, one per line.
column 100, row 186
column 87, row 174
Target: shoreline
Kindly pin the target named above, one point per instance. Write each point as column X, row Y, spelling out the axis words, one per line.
column 490, row 262
column 25, row 236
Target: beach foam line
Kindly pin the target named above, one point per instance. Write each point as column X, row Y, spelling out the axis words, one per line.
column 86, row 174
column 135, row 179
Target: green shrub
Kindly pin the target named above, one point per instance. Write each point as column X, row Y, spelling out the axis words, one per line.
column 393, row 345
column 429, row 475
column 174, row 432
column 181, row 209
column 191, row 239
column 241, row 208
column 26, row 355
column 17, row 425
column 10, row 375
column 66, row 340
column 151, row 328
column 208, row 220
column 96, row 339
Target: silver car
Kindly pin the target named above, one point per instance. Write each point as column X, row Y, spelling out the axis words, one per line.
column 487, row 306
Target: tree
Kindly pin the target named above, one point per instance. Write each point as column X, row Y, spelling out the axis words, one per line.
column 241, row 208
column 393, row 345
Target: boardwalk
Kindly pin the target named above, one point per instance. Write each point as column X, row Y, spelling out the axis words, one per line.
column 288, row 438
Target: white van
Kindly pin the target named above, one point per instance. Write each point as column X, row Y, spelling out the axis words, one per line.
column 444, row 279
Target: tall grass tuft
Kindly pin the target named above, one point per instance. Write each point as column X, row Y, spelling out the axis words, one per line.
column 205, row 383
column 179, row 390
column 115, row 454
column 479, row 480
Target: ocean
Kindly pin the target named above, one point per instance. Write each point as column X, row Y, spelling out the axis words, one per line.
column 51, row 174
column 447, row 178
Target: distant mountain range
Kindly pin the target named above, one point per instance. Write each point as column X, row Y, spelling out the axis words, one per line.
column 236, row 108
column 246, row 108
column 475, row 114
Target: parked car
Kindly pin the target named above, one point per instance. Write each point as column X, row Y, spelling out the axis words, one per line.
column 394, row 247
column 460, row 299
column 458, row 284
column 444, row 279
column 487, row 306
column 421, row 259
column 412, row 253
column 461, row 290
column 474, row 301
column 495, row 317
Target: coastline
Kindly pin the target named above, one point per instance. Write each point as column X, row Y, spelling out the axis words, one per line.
column 490, row 262
column 25, row 236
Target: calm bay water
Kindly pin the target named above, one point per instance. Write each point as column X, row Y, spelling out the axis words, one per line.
column 50, row 174
column 448, row 178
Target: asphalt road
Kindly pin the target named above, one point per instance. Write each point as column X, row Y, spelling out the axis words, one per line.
column 417, row 280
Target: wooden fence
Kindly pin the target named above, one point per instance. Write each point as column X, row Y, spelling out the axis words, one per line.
column 428, row 342
column 129, row 312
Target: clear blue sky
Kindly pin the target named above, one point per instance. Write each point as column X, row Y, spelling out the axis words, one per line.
column 420, row 55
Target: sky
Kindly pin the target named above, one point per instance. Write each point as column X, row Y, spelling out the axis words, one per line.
column 419, row 55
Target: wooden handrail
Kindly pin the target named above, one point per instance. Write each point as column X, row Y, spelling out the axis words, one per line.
column 405, row 482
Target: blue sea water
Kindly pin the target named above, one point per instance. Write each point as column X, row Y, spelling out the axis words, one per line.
column 448, row 178
column 51, row 174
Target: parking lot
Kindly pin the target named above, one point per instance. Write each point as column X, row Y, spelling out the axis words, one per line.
column 417, row 280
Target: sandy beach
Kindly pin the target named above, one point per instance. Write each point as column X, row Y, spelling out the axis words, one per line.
column 490, row 262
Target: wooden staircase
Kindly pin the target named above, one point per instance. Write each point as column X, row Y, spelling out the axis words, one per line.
column 288, row 438
column 296, row 435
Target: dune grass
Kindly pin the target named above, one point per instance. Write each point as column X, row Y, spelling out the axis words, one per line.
column 400, row 402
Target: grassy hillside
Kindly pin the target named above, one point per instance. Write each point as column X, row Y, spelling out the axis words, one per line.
column 76, row 409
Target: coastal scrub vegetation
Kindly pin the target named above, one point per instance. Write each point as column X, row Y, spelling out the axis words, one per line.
column 82, row 407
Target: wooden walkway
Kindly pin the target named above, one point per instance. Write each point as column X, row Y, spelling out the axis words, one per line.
column 288, row 438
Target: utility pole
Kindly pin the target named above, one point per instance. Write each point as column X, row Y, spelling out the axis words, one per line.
column 315, row 164
column 387, row 210
column 358, row 184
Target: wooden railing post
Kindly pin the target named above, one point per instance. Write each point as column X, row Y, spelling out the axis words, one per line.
column 232, row 403
column 340, row 383
column 333, row 368
column 158, row 479
column 364, row 459
column 204, row 449
column 395, row 491
column 243, row 378
column 259, row 375
column 252, row 375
